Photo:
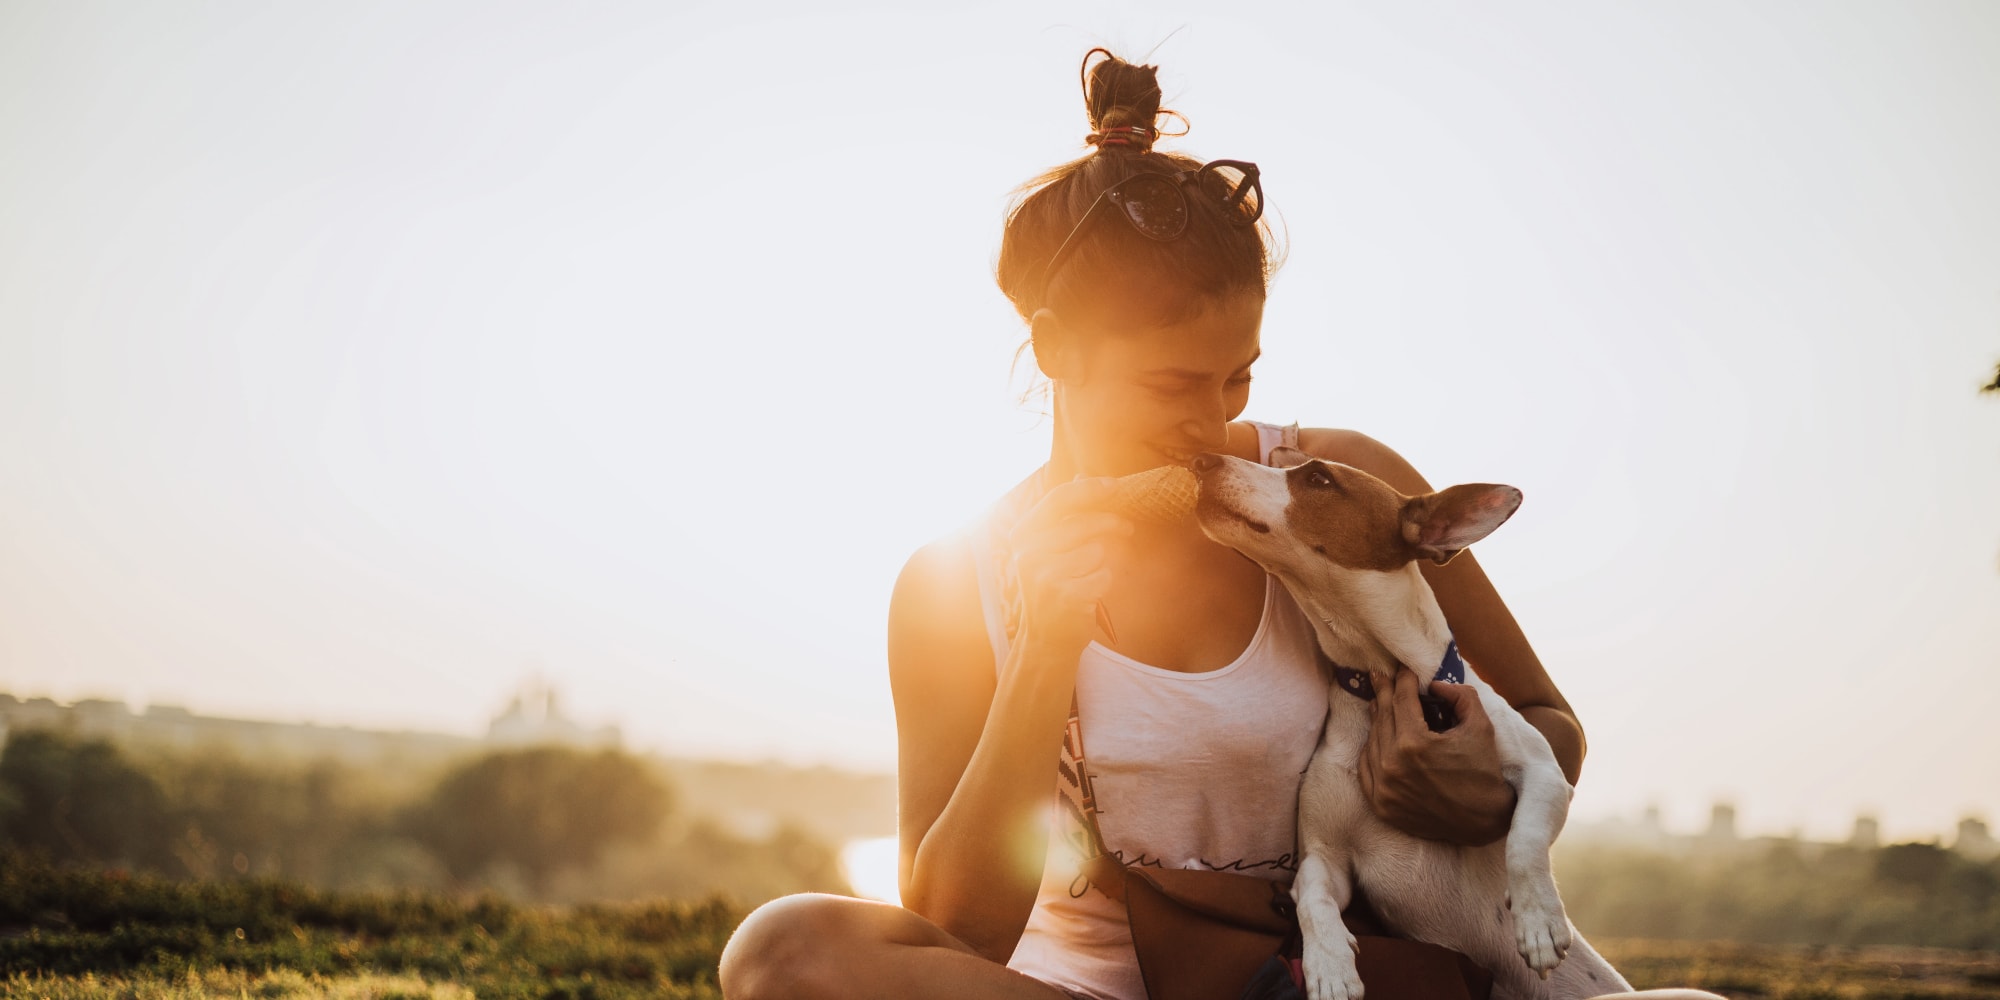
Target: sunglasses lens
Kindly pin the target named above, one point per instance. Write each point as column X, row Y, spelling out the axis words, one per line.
column 1236, row 189
column 1154, row 205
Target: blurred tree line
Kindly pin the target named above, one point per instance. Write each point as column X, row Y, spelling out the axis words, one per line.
column 543, row 824
column 1785, row 892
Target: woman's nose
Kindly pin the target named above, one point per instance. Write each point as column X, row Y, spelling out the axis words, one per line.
column 1210, row 430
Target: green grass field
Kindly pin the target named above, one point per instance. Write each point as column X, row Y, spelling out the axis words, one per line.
column 77, row 935
column 1806, row 973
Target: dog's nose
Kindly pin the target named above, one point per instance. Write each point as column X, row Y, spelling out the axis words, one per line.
column 1205, row 461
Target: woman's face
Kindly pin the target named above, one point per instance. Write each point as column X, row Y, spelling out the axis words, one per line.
column 1127, row 402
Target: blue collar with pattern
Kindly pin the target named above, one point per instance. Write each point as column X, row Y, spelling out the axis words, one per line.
column 1437, row 712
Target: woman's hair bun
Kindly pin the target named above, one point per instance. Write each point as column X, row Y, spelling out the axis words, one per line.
column 1115, row 274
column 1123, row 101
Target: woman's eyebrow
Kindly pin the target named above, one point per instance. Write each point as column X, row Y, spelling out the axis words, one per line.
column 1190, row 375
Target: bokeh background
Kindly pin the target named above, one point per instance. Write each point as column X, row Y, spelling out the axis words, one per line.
column 359, row 361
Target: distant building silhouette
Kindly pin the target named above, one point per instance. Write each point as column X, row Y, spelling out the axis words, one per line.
column 1721, row 822
column 171, row 727
column 1974, row 840
column 1723, row 836
column 534, row 717
column 1867, row 833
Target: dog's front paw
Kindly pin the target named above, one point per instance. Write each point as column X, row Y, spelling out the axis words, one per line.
column 1541, row 931
column 1329, row 969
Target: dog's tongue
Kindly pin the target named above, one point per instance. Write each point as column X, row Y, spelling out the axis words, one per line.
column 1163, row 495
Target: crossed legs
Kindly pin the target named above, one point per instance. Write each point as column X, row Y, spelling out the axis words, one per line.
column 820, row 947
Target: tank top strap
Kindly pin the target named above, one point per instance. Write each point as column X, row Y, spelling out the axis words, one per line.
column 1270, row 436
column 993, row 564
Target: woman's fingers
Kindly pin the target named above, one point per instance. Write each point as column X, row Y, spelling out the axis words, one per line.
column 1465, row 703
column 1440, row 786
column 1066, row 536
column 1073, row 531
column 1076, row 497
column 1070, row 564
column 1065, row 550
column 1366, row 772
column 1379, row 759
column 1091, row 587
column 1407, row 707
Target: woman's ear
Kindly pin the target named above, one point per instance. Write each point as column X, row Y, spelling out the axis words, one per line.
column 1054, row 355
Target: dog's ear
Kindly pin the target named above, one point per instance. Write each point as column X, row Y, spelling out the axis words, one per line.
column 1284, row 457
column 1438, row 525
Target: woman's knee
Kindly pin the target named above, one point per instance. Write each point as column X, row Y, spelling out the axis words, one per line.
column 792, row 947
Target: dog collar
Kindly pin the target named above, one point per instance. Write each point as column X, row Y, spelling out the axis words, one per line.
column 1436, row 712
column 1452, row 669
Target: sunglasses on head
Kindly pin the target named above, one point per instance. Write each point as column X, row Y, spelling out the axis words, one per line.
column 1156, row 204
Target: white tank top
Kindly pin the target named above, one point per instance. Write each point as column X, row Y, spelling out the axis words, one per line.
column 1191, row 770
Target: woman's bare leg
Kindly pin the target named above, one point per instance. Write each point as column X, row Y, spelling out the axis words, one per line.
column 819, row 947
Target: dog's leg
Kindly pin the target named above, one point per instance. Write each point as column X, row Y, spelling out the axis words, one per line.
column 1323, row 887
column 1541, row 929
column 1330, row 800
column 1542, row 795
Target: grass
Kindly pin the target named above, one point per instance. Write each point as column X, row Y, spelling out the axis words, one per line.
column 1790, row 972
column 227, row 984
column 67, row 934
column 110, row 935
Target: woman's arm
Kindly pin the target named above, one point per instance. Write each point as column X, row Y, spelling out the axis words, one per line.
column 977, row 756
column 1448, row 785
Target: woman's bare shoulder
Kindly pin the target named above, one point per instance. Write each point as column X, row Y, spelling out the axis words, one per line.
column 1351, row 447
column 936, row 625
column 939, row 584
column 938, row 577
column 941, row 558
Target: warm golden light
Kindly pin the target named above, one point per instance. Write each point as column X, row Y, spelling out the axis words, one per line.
column 349, row 380
column 870, row 866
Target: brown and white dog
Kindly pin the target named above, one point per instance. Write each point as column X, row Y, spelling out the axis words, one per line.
column 1346, row 545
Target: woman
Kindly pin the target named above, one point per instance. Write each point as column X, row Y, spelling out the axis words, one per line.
column 1143, row 300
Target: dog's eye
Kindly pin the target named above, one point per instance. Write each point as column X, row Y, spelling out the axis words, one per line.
column 1318, row 477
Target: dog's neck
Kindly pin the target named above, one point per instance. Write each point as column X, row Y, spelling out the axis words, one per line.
column 1378, row 622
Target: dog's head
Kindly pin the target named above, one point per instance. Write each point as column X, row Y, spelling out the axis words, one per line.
column 1311, row 520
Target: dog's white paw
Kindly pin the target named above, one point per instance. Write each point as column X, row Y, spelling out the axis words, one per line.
column 1541, row 931
column 1330, row 971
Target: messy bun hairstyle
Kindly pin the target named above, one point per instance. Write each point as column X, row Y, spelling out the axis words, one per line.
column 1115, row 275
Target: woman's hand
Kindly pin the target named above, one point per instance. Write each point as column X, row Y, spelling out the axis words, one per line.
column 1439, row 786
column 978, row 741
column 1064, row 550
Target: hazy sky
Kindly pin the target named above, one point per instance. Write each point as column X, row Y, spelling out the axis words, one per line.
column 357, row 359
